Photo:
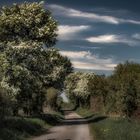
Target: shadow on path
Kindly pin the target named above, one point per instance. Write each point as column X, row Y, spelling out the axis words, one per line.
column 86, row 120
column 73, row 126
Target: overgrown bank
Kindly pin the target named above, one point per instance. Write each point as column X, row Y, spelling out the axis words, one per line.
column 21, row 128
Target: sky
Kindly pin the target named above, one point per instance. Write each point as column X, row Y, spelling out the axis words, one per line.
column 96, row 34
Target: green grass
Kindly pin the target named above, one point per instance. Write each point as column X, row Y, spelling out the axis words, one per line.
column 21, row 128
column 84, row 112
column 115, row 129
column 59, row 115
column 17, row 128
column 107, row 128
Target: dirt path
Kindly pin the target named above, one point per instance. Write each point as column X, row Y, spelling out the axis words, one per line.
column 72, row 128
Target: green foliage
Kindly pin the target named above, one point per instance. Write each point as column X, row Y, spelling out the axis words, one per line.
column 59, row 103
column 67, row 106
column 51, row 97
column 85, row 112
column 100, row 85
column 27, row 68
column 28, row 72
column 119, row 93
column 29, row 23
column 4, row 103
column 124, row 86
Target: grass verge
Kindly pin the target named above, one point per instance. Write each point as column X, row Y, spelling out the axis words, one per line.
column 115, row 129
column 17, row 128
column 111, row 128
column 84, row 112
column 20, row 128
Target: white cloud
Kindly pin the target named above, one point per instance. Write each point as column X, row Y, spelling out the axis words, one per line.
column 136, row 36
column 76, row 54
column 103, row 39
column 92, row 66
column 112, row 38
column 65, row 11
column 86, row 60
column 66, row 32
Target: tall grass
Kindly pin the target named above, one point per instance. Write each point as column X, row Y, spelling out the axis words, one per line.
column 116, row 129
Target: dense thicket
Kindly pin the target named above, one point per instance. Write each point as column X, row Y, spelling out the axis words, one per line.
column 124, row 88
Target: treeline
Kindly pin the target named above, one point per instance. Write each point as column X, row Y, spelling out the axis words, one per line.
column 32, row 72
column 118, row 94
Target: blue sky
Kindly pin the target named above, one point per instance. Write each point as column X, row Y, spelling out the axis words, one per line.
column 97, row 34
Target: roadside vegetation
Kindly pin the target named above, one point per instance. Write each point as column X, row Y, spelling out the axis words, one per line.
column 84, row 112
column 113, row 128
column 21, row 128
column 30, row 68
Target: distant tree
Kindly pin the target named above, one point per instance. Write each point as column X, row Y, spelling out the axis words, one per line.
column 100, row 90
column 126, row 88
column 27, row 23
column 78, row 88
column 70, row 86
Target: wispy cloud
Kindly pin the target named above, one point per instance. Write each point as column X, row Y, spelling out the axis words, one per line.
column 103, row 39
column 65, row 11
column 136, row 36
column 112, row 38
column 86, row 60
column 87, row 47
column 67, row 32
column 92, row 66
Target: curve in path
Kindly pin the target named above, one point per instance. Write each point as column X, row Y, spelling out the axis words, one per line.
column 72, row 128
